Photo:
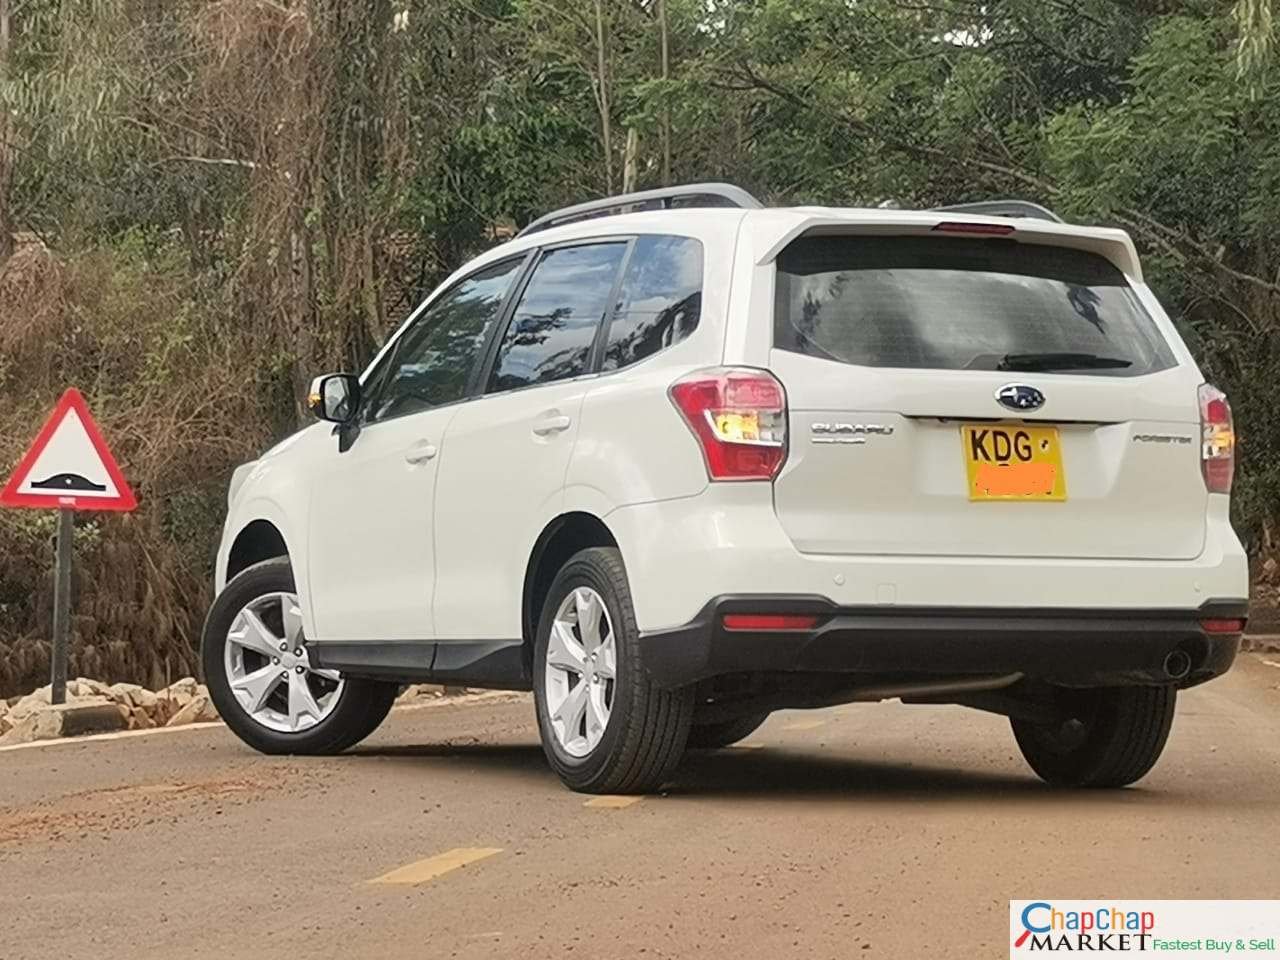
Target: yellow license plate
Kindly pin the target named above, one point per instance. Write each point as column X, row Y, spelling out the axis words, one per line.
column 1006, row 462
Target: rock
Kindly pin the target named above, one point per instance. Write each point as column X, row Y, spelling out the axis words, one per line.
column 1270, row 569
column 199, row 709
column 25, row 706
column 93, row 688
column 134, row 696
column 141, row 720
column 67, row 720
column 420, row 691
column 82, row 687
column 180, row 691
column 144, row 699
column 42, row 725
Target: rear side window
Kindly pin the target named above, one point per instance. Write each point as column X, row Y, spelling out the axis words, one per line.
column 555, row 322
column 954, row 304
column 660, row 300
column 553, row 328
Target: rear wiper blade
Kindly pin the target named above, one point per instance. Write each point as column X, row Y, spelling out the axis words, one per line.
column 1060, row 361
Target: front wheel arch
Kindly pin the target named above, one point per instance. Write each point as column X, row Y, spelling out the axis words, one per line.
column 257, row 541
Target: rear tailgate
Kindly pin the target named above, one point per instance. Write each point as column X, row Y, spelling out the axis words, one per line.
column 894, row 351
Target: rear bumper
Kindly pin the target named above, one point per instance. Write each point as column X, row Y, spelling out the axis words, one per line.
column 727, row 541
column 1073, row 647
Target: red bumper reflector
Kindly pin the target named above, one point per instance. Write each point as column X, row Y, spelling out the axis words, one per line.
column 1234, row 625
column 769, row 621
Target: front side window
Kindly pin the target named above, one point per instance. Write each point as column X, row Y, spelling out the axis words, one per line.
column 955, row 304
column 660, row 300
column 555, row 322
column 431, row 362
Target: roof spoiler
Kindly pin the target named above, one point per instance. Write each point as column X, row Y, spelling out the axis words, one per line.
column 1005, row 208
column 686, row 195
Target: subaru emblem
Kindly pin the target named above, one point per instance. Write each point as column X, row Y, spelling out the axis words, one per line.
column 1019, row 396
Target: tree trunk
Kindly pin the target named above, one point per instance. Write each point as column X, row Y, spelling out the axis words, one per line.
column 666, row 110
column 602, row 78
column 6, row 151
column 629, row 160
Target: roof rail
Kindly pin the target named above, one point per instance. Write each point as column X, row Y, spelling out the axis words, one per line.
column 1005, row 208
column 692, row 195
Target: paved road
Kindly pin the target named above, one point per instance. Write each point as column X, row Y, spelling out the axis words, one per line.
column 860, row 831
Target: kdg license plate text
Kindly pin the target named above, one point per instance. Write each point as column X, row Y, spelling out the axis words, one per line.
column 1013, row 463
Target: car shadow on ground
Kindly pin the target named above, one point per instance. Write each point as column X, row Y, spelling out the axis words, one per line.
column 780, row 773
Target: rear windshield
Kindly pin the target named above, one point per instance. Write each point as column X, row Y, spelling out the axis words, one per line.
column 951, row 303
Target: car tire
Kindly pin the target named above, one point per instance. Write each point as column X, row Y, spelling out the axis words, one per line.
column 645, row 727
column 1114, row 739
column 723, row 733
column 354, row 707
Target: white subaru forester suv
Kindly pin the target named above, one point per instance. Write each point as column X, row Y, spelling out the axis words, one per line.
column 673, row 460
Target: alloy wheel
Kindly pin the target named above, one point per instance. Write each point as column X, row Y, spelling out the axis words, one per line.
column 581, row 671
column 269, row 670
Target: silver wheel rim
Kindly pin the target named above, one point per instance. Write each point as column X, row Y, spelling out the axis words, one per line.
column 268, row 668
column 581, row 672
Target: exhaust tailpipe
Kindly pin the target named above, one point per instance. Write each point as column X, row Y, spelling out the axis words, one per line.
column 1177, row 664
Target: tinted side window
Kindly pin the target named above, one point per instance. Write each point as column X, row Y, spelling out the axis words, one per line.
column 555, row 322
column 431, row 362
column 660, row 300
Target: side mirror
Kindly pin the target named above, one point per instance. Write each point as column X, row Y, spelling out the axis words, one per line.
column 335, row 397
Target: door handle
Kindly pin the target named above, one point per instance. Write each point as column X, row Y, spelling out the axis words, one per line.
column 420, row 452
column 549, row 425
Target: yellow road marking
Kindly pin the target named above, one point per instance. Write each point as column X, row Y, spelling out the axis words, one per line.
column 746, row 746
column 1271, row 663
column 804, row 725
column 612, row 802
column 432, row 867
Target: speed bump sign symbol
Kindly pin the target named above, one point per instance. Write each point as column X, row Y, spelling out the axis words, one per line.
column 69, row 465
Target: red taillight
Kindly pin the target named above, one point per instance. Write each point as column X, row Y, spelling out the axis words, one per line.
column 1232, row 625
column 1217, row 440
column 769, row 621
column 978, row 229
column 739, row 416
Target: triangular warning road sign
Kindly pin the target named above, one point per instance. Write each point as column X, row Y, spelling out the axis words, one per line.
column 68, row 465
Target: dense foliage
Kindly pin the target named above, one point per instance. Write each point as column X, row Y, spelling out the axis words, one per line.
column 203, row 202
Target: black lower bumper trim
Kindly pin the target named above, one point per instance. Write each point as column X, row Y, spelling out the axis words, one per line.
column 1073, row 647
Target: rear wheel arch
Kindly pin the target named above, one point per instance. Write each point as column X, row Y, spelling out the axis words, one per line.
column 560, row 539
column 259, row 540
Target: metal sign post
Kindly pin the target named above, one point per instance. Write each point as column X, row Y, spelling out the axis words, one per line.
column 61, row 606
column 67, row 468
